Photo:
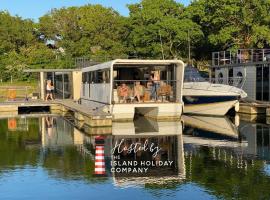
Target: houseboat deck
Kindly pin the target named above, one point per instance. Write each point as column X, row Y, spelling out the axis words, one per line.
column 93, row 118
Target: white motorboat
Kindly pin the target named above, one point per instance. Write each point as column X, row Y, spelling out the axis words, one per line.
column 204, row 98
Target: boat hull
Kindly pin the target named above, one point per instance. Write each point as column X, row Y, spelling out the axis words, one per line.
column 126, row 111
column 213, row 108
column 219, row 125
column 204, row 98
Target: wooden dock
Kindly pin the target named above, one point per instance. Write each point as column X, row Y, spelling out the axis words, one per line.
column 255, row 108
column 90, row 117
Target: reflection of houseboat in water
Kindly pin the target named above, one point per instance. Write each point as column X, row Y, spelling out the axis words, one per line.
column 162, row 138
column 146, row 126
column 166, row 166
column 165, row 135
column 251, row 144
column 124, row 87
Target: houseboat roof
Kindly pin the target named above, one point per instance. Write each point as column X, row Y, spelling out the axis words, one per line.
column 131, row 63
column 109, row 64
column 50, row 70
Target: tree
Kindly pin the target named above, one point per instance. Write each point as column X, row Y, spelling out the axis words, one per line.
column 90, row 30
column 232, row 24
column 14, row 33
column 21, row 46
column 159, row 29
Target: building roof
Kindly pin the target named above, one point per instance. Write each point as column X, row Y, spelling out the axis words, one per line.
column 50, row 70
column 132, row 63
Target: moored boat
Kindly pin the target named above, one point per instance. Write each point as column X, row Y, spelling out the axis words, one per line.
column 204, row 98
column 123, row 87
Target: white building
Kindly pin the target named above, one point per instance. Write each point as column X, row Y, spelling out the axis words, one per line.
column 246, row 68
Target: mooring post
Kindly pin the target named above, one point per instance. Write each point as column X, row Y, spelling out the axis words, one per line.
column 42, row 86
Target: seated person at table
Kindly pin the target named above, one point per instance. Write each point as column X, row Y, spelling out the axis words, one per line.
column 123, row 92
column 164, row 90
column 147, row 91
column 138, row 91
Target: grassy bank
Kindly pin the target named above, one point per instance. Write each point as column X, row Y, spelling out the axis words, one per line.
column 17, row 89
column 20, row 83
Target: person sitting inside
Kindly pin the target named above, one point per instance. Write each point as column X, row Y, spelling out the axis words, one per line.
column 164, row 91
column 138, row 91
column 123, row 93
column 147, row 92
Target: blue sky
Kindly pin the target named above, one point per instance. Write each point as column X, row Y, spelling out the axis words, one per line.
column 35, row 8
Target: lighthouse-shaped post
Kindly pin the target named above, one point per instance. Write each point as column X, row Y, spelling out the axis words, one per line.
column 99, row 156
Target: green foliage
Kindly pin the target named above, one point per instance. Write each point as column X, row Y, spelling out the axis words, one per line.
column 90, row 30
column 15, row 33
column 224, row 178
column 154, row 29
column 160, row 27
column 232, row 24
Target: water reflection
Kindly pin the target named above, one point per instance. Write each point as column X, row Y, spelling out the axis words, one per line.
column 145, row 126
column 56, row 132
column 234, row 163
column 214, row 157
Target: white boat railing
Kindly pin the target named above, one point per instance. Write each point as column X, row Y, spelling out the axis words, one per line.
column 198, row 83
column 235, row 81
column 241, row 56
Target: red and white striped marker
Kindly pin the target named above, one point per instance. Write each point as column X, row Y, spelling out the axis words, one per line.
column 99, row 160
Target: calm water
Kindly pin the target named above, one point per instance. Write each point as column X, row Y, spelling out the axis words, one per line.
column 46, row 157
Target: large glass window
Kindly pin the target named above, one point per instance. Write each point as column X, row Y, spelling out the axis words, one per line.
column 63, row 85
column 262, row 82
column 259, row 82
column 84, row 77
column 220, row 78
column 266, row 83
column 100, row 76
column 192, row 75
column 231, row 81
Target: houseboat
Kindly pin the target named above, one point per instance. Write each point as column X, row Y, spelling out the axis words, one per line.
column 123, row 87
column 249, row 67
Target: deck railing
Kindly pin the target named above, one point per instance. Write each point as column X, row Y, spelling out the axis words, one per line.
column 242, row 56
column 236, row 82
column 15, row 93
column 144, row 91
column 232, row 81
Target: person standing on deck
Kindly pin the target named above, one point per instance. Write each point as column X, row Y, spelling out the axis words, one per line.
column 155, row 78
column 49, row 89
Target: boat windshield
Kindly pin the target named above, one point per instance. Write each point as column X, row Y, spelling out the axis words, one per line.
column 192, row 75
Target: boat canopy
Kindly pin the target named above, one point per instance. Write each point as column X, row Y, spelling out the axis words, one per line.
column 192, row 75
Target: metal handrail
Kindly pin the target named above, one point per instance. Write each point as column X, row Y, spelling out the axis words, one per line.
column 231, row 82
column 241, row 56
column 146, row 80
column 156, row 92
column 15, row 92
